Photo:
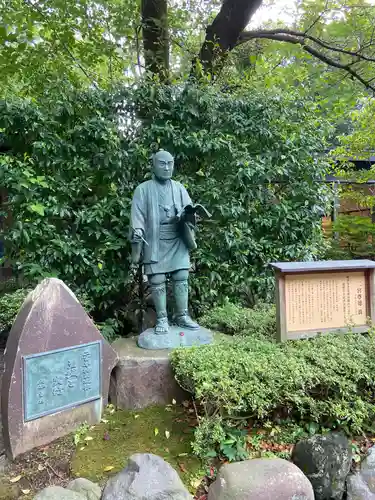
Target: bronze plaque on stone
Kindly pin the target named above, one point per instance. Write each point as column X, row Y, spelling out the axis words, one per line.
column 323, row 297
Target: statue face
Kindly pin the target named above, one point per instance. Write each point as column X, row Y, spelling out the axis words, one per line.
column 163, row 165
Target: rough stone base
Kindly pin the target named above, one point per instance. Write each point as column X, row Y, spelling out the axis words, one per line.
column 177, row 337
column 142, row 377
column 2, row 447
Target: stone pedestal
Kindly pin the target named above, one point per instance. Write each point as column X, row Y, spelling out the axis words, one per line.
column 176, row 337
column 142, row 377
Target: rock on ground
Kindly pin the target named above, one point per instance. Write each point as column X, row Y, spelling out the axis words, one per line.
column 357, row 489
column 261, row 479
column 147, row 477
column 89, row 490
column 361, row 486
column 58, row 493
column 326, row 461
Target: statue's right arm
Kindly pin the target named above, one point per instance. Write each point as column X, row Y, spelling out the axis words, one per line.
column 138, row 225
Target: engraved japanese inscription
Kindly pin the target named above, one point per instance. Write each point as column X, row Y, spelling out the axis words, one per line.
column 60, row 379
column 325, row 300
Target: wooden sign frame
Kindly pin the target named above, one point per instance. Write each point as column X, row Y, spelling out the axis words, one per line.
column 339, row 274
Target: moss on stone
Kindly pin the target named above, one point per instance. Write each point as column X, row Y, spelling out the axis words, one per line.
column 123, row 433
column 7, row 491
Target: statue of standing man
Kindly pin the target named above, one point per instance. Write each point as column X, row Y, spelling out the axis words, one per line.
column 162, row 233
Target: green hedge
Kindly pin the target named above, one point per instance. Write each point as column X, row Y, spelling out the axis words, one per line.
column 74, row 158
column 328, row 380
column 236, row 320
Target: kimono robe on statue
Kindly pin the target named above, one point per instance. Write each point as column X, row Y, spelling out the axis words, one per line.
column 154, row 210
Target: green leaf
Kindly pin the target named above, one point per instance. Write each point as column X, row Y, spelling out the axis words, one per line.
column 38, row 208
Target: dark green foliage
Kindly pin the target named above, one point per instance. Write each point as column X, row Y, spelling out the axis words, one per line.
column 76, row 158
column 235, row 320
column 10, row 304
column 69, row 192
column 355, row 238
column 327, row 380
column 252, row 159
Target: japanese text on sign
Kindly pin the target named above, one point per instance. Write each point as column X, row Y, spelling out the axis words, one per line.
column 325, row 300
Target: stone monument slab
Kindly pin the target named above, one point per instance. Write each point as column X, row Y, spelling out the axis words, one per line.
column 323, row 297
column 57, row 370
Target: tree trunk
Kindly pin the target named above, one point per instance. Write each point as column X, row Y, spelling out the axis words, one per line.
column 223, row 33
column 155, row 37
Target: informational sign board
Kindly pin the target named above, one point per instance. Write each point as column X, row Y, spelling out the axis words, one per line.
column 61, row 379
column 323, row 297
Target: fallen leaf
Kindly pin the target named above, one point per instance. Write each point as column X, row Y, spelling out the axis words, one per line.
column 25, row 492
column 136, row 416
column 81, row 449
column 104, row 421
column 183, row 455
column 174, row 401
column 40, row 467
column 182, row 467
column 88, row 438
column 156, row 431
column 15, row 479
column 167, row 434
column 195, row 483
column 108, row 468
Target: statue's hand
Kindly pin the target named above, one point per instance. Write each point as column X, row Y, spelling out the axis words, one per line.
column 136, row 254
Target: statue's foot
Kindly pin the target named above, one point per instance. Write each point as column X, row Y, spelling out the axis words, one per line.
column 162, row 326
column 185, row 321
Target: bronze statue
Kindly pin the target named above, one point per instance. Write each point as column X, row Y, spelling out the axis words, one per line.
column 163, row 222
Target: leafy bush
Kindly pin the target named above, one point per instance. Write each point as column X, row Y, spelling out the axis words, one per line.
column 355, row 238
column 69, row 194
column 236, row 320
column 328, row 380
column 10, row 304
column 74, row 159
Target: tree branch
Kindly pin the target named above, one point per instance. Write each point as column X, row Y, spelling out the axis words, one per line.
column 299, row 38
column 223, row 33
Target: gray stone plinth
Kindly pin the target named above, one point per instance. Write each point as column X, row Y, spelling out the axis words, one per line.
column 142, row 377
column 177, row 337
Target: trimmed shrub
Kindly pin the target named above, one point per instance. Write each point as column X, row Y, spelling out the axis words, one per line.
column 328, row 380
column 236, row 320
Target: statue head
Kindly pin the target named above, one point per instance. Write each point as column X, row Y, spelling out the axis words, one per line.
column 163, row 163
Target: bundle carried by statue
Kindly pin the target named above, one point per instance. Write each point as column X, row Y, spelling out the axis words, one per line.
column 187, row 218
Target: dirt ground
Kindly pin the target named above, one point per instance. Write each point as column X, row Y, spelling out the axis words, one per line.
column 100, row 451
